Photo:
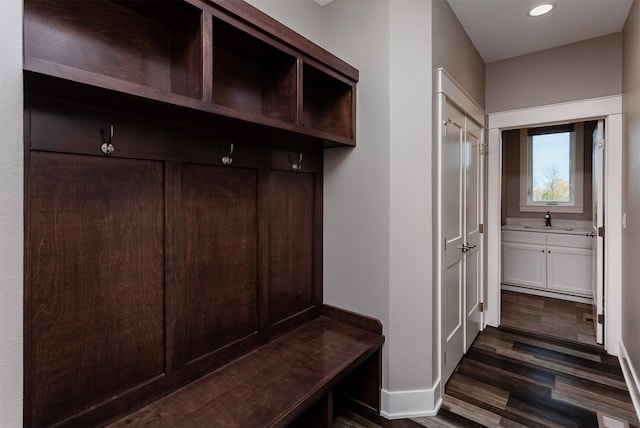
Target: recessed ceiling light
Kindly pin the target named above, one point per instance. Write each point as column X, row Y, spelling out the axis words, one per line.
column 541, row 9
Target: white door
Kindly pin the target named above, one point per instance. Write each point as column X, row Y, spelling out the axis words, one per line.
column 473, row 221
column 598, row 231
column 461, row 225
column 453, row 276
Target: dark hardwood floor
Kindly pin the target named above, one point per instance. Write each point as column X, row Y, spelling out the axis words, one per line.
column 512, row 378
column 554, row 317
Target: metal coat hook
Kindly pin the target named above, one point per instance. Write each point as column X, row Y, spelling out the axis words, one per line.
column 227, row 160
column 296, row 166
column 107, row 148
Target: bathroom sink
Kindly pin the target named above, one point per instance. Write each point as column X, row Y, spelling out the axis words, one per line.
column 549, row 228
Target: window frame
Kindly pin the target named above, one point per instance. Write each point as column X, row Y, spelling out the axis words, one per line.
column 575, row 204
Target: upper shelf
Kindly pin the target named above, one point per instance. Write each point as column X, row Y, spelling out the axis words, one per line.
column 220, row 57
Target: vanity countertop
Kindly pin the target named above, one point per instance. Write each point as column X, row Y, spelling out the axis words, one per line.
column 566, row 227
column 567, row 230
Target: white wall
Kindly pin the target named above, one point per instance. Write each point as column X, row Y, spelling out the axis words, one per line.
column 11, row 213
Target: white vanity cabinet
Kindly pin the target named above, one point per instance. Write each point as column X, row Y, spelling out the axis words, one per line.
column 524, row 259
column 557, row 263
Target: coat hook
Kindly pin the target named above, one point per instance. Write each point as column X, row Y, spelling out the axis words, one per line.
column 227, row 160
column 107, row 148
column 296, row 166
column 111, row 132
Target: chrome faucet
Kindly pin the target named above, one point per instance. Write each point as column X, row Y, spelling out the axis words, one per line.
column 547, row 219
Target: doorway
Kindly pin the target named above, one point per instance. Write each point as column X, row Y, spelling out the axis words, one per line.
column 549, row 173
column 610, row 109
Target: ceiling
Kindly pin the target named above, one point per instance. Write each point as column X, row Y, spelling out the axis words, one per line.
column 501, row 29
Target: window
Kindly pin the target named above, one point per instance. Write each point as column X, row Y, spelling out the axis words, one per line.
column 551, row 168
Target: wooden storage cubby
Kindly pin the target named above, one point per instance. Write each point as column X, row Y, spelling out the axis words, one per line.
column 252, row 76
column 327, row 103
column 223, row 58
column 151, row 44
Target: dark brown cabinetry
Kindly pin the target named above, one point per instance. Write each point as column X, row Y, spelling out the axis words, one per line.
column 200, row 237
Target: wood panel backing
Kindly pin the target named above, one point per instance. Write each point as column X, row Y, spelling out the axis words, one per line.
column 95, row 274
column 221, row 246
column 291, row 237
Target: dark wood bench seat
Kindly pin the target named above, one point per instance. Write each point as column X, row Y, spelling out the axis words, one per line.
column 291, row 380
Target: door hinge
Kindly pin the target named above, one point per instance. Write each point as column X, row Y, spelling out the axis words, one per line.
column 481, row 227
column 445, row 358
column 600, row 318
column 445, row 243
column 601, row 231
column 481, row 306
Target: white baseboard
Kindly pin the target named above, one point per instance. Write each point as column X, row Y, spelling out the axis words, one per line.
column 630, row 376
column 411, row 404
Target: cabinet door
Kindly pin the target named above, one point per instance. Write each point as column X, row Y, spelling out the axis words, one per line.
column 524, row 264
column 569, row 270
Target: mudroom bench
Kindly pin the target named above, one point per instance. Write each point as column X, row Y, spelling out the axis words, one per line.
column 293, row 380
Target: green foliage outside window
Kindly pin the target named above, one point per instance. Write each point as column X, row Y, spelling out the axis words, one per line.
column 551, row 165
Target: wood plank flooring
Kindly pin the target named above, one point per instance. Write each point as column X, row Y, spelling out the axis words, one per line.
column 512, row 378
column 554, row 317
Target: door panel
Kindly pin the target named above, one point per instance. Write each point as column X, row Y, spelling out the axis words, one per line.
column 598, row 198
column 453, row 153
column 473, row 218
column 453, row 192
column 472, row 296
column 453, row 317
